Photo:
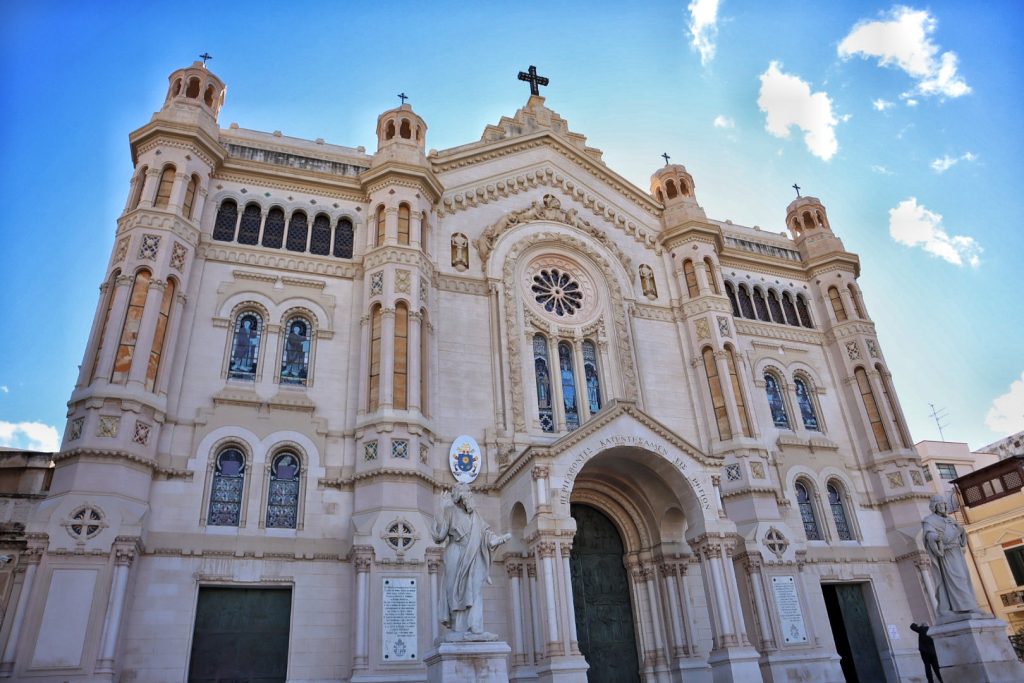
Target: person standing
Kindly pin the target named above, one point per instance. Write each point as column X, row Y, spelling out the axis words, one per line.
column 926, row 646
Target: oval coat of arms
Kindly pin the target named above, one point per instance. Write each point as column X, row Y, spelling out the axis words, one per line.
column 464, row 459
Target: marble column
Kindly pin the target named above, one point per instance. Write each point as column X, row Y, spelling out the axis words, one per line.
column 573, row 646
column 147, row 330
column 731, row 407
column 514, row 567
column 540, row 479
column 364, row 364
column 31, row 557
column 387, row 358
column 107, row 351
column 149, row 188
column 171, row 339
column 124, row 555
column 755, row 578
column 413, row 372
column 434, row 570
column 657, row 630
column 545, row 552
column 362, row 561
column 89, row 359
column 535, row 625
column 679, row 638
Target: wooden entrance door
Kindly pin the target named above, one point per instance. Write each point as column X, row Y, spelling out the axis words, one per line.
column 600, row 591
column 850, row 620
column 241, row 636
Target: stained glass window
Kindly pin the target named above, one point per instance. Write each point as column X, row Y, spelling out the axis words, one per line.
column 130, row 331
column 803, row 501
column 745, row 305
column 803, row 399
column 732, row 299
column 297, row 232
column 344, row 238
column 379, row 221
column 190, row 197
column 802, row 311
column 712, row 278
column 228, row 485
column 741, row 408
column 163, row 190
column 871, row 408
column 273, row 231
column 375, row 338
column 838, row 513
column 717, row 396
column 320, row 238
column 400, row 382
column 787, row 306
column 283, row 496
column 837, row 304
column 159, row 336
column 774, row 307
column 249, row 228
column 295, row 354
column 557, row 292
column 760, row 305
column 542, row 375
column 227, row 217
column 245, row 346
column 691, row 278
column 775, row 402
column 403, row 224
column 591, row 376
column 572, row 415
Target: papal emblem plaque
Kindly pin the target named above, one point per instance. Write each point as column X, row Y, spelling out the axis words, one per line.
column 464, row 459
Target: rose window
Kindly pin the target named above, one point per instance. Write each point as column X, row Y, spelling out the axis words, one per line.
column 557, row 291
column 85, row 523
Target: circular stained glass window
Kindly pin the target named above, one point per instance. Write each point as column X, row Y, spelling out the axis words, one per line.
column 557, row 291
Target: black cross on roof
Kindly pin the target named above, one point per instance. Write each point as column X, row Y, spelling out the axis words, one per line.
column 797, row 188
column 205, row 56
column 666, row 157
column 402, row 96
column 535, row 80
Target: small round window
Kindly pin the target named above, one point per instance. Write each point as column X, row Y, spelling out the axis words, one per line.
column 85, row 523
column 557, row 291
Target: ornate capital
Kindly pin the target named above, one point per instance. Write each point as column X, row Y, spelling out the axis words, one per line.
column 540, row 472
column 546, row 548
column 433, row 556
column 531, row 570
column 362, row 557
column 566, row 547
column 125, row 280
column 514, row 567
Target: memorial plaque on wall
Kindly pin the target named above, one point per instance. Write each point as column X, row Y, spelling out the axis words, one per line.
column 399, row 621
column 787, row 605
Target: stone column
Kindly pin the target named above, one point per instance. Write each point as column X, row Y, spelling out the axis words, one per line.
column 433, row 568
column 733, row 594
column 703, row 277
column 756, row 581
column 362, row 561
column 545, row 551
column 124, row 554
column 725, row 379
column 171, row 337
column 412, row 377
column 89, row 359
column 32, row 556
column 538, row 640
column 573, row 646
column 112, row 335
column 364, row 364
column 387, row 358
column 634, row 569
column 715, row 586
column 415, row 229
column 177, row 199
column 147, row 330
column 390, row 225
column 200, row 204
column 149, row 188
column 514, row 567
column 924, row 569
column 679, row 638
column 580, row 374
column 557, row 397
column 649, row 573
column 540, row 480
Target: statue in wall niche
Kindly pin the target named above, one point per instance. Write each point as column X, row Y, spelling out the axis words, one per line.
column 467, row 560
column 647, row 281
column 460, row 251
column 946, row 541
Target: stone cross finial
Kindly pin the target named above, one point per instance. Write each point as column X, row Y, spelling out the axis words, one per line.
column 205, row 57
column 534, row 79
column 402, row 96
column 797, row 188
column 666, row 157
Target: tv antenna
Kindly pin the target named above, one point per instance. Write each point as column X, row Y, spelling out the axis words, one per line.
column 941, row 417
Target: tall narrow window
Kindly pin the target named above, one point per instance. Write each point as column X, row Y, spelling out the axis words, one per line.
column 787, row 306
column 802, row 311
column 137, row 187
column 760, row 306
column 542, row 375
column 163, row 191
column 344, row 238
column 691, row 278
column 283, row 493
column 745, row 305
column 775, row 402
column 712, row 278
column 227, row 218
column 855, row 298
column 774, row 307
column 375, row 335
column 835, row 501
column 190, row 196
column 401, row 371
column 159, row 336
column 803, row 399
column 111, row 290
column 273, row 231
column 403, row 224
column 320, row 238
column 871, row 408
column 837, row 304
column 379, row 224
column 245, row 346
column 424, row 234
column 297, row 232
column 890, row 401
column 295, row 355
column 424, row 363
column 565, row 366
column 228, row 486
column 741, row 407
column 249, row 227
column 591, row 377
column 717, row 395
column 730, row 292
column 130, row 330
column 807, row 516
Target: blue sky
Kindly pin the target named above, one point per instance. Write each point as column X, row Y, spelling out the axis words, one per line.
column 905, row 121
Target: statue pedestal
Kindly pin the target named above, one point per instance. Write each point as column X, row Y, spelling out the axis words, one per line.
column 468, row 661
column 976, row 651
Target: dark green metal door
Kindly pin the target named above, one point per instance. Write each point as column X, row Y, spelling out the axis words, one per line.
column 600, row 591
column 854, row 636
column 241, row 636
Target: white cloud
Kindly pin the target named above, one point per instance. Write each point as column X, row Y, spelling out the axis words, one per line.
column 4, row 388
column 33, row 436
column 913, row 225
column 903, row 39
column 723, row 122
column 911, row 102
column 788, row 101
column 946, row 162
column 703, row 28
column 882, row 105
column 1006, row 414
column 877, row 168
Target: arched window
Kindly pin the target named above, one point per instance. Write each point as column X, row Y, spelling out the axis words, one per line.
column 835, row 502
column 871, row 408
column 774, row 307
column 389, row 131
column 787, row 306
column 208, row 96
column 320, row 238
column 405, row 130
column 424, row 234
column 400, row 374
column 245, row 346
column 891, row 403
column 159, row 335
column 542, row 375
column 807, row 412
column 375, row 336
column 192, row 91
column 729, row 292
column 273, row 231
column 803, row 311
column 591, row 377
column 760, row 306
column 424, row 363
column 712, row 278
column 283, row 493
column 190, row 196
column 111, row 285
column 837, row 304
column 741, row 407
column 227, row 218
column 380, row 225
column 140, row 183
column 565, row 366
column 775, row 402
column 670, row 189
column 249, row 227
column 130, row 330
column 403, row 224
column 163, row 190
column 344, row 238
column 227, row 489
column 807, row 516
column 745, row 305
column 717, row 395
column 688, row 272
column 855, row 298
column 295, row 352
column 297, row 232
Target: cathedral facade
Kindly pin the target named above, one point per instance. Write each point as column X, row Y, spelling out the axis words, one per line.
column 686, row 425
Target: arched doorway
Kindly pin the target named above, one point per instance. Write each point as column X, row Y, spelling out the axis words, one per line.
column 601, row 597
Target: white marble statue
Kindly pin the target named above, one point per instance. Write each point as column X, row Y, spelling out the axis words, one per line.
column 946, row 541
column 467, row 559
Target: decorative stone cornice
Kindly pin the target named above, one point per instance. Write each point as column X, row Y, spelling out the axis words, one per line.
column 273, row 177
column 234, row 253
column 165, row 472
column 777, row 331
column 462, row 285
column 650, row 312
column 401, row 254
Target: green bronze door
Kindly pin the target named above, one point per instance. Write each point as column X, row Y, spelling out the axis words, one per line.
column 600, row 591
column 241, row 636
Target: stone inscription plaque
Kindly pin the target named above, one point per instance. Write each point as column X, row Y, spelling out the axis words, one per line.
column 787, row 605
column 399, row 621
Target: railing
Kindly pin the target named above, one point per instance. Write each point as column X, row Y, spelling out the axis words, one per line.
column 1013, row 598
